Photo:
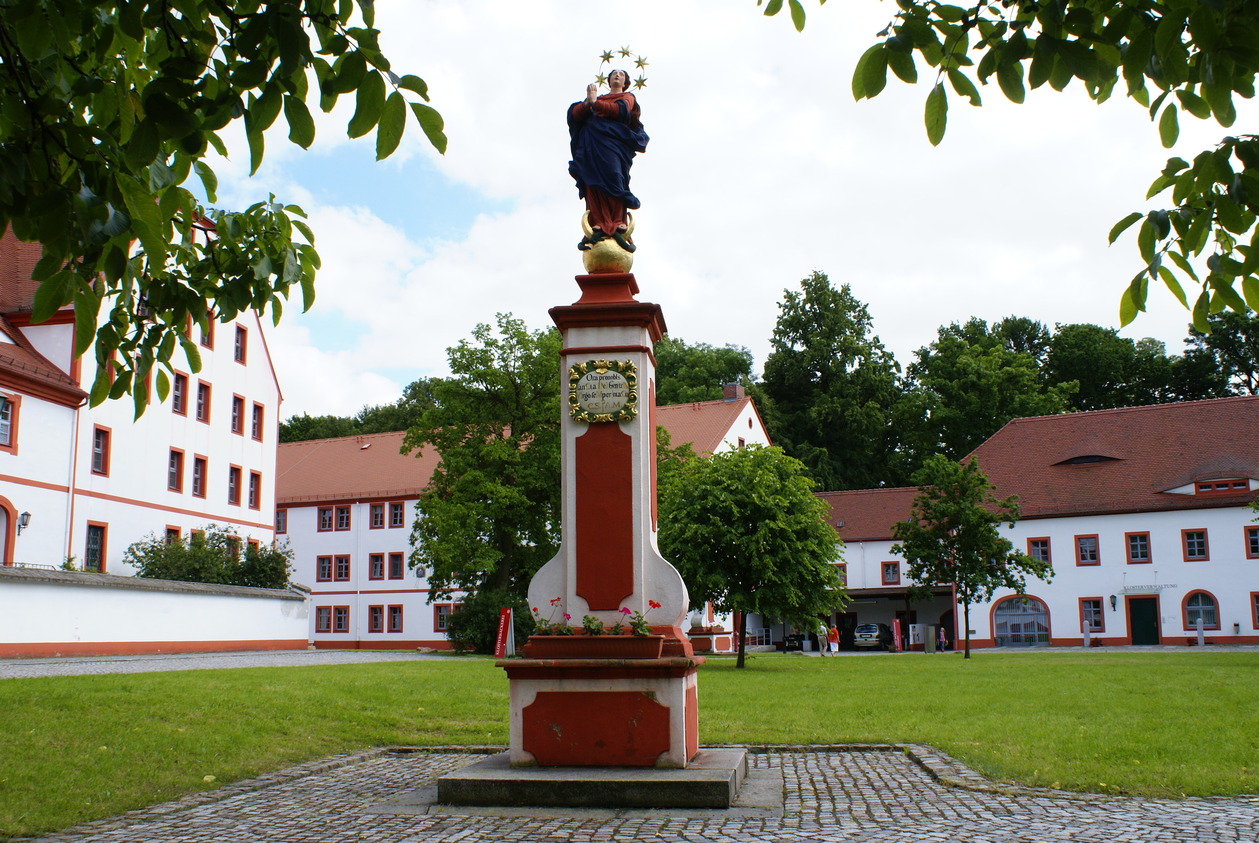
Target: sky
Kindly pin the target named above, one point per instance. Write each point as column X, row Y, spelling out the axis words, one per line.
column 760, row 170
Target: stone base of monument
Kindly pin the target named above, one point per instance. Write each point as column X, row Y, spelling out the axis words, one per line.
column 712, row 780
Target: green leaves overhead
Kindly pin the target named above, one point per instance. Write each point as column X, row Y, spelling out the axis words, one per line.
column 110, row 108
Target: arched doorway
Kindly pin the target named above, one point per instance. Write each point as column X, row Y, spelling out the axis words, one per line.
column 1020, row 622
column 8, row 524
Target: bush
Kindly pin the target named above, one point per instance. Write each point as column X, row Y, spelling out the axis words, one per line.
column 211, row 556
column 475, row 625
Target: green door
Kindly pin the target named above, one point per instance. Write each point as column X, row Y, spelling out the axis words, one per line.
column 1143, row 620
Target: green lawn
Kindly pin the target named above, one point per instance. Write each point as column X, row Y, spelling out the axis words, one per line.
column 79, row 748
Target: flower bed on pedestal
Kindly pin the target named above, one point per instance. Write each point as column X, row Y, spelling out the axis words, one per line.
column 594, row 646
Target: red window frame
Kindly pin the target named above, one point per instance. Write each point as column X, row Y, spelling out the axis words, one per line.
column 397, row 514
column 340, row 619
column 179, row 394
column 240, row 348
column 1127, row 548
column 342, row 520
column 1223, row 486
column 1034, row 551
column 397, row 566
column 206, row 338
column 1250, row 535
column 842, row 569
column 103, row 527
column 395, row 617
column 9, row 445
column 173, row 534
column 255, row 424
column 376, row 566
column 376, row 517
column 1080, row 561
column 255, row 490
column 1254, row 609
column 323, row 519
column 238, row 415
column 200, row 467
column 281, row 521
column 1184, row 545
column 205, row 395
column 175, row 471
column 441, row 615
column 323, row 569
column 323, row 619
column 376, row 618
column 1184, row 612
column 235, row 476
column 341, row 568
column 895, row 567
column 101, row 438
column 1101, row 614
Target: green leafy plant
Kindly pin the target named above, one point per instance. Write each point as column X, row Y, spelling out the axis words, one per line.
column 546, row 626
column 638, row 620
column 591, row 625
column 212, row 555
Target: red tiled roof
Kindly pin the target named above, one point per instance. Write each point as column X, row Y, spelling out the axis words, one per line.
column 1144, row 452
column 703, row 423
column 17, row 259
column 350, row 468
column 343, row 469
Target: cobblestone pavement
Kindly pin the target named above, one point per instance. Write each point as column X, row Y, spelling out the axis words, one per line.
column 830, row 794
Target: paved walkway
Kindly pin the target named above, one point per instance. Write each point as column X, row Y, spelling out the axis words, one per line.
column 830, row 794
column 77, row 666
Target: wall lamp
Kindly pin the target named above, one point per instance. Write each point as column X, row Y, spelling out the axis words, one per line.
column 23, row 521
column 1114, row 601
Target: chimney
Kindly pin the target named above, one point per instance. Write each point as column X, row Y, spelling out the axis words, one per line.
column 733, row 392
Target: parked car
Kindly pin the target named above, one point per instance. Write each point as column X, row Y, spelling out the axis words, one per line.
column 872, row 635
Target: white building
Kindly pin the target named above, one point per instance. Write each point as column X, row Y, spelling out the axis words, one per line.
column 1143, row 513
column 89, row 481
column 346, row 506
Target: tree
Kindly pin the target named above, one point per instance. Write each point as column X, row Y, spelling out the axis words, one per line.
column 212, row 555
column 110, row 112
column 953, row 536
column 832, row 385
column 1172, row 58
column 686, row 373
column 967, row 384
column 747, row 533
column 490, row 515
column 379, row 418
column 1232, row 346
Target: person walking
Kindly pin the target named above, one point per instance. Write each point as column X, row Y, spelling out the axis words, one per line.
column 832, row 640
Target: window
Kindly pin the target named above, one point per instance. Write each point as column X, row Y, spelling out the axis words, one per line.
column 207, row 333
column 233, row 547
column 343, row 518
column 238, row 415
column 323, row 619
column 1231, row 486
column 281, row 520
column 1194, row 544
column 375, row 618
column 241, row 345
column 1020, row 622
column 395, row 618
column 255, row 426
column 340, row 618
column 396, row 568
column 233, row 485
column 441, row 614
column 172, row 535
column 1252, row 542
column 1091, row 615
column 376, row 566
column 377, row 516
column 325, row 519
column 891, row 573
column 1201, row 605
column 1086, row 551
column 198, row 477
column 255, row 490
column 1138, row 545
column 203, row 402
column 1038, row 549
column 196, row 538
column 94, row 548
column 175, row 470
column 1254, row 608
column 254, row 546
column 8, row 423
column 396, row 516
column 341, row 568
column 100, row 450
column 323, row 569
column 841, row 568
column 179, row 395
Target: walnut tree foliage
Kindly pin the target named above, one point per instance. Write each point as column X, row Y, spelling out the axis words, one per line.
column 108, row 112
column 490, row 515
column 1172, row 57
column 746, row 531
column 953, row 536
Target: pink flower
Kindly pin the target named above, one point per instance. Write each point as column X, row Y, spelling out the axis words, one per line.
column 625, row 610
column 567, row 616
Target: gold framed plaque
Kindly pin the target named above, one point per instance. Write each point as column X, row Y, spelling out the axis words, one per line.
column 603, row 391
